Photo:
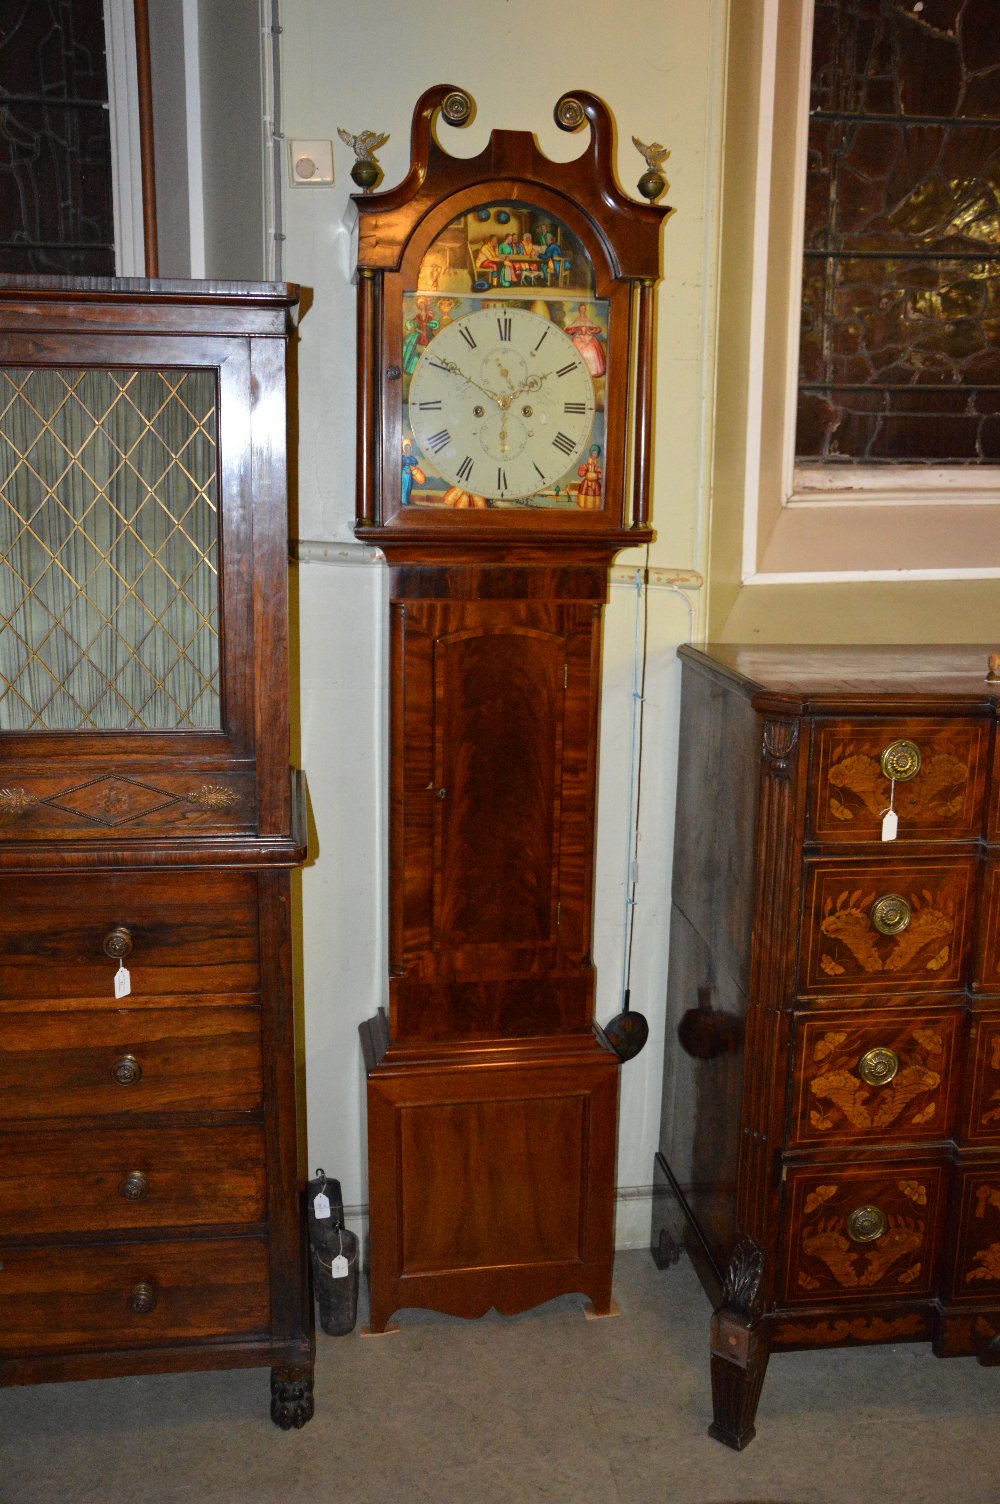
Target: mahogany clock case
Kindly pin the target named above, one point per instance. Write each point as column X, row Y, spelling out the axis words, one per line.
column 492, row 1101
column 149, row 1214
column 829, row 1145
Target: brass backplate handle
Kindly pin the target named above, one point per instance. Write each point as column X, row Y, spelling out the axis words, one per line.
column 117, row 943
column 901, row 760
column 126, row 1071
column 891, row 914
column 142, row 1298
column 135, row 1186
column 877, row 1066
column 866, row 1224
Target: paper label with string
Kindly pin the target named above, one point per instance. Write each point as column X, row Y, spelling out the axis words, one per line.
column 321, row 1207
column 123, row 980
column 890, row 820
column 339, row 1267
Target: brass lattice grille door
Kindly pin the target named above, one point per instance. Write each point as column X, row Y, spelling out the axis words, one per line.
column 109, row 539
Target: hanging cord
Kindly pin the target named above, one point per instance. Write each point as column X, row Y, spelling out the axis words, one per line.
column 639, row 657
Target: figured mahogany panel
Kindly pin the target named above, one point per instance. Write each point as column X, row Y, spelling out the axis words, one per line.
column 68, row 1064
column 833, row 1103
column 976, row 1273
column 71, row 1298
column 943, row 801
column 190, row 933
column 822, row 1261
column 494, row 762
column 841, row 949
column 189, row 1177
column 498, row 745
column 557, row 1002
column 983, row 1082
column 492, row 1182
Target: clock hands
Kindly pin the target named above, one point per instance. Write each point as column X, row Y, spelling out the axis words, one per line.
column 450, row 366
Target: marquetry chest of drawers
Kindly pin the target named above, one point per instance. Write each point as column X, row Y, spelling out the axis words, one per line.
column 149, row 1215
column 830, row 1136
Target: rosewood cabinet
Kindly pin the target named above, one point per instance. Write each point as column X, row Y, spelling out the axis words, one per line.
column 830, row 1139
column 148, row 824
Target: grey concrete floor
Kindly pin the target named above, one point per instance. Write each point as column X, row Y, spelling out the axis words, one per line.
column 540, row 1407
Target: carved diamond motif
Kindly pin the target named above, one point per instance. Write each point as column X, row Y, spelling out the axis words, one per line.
column 112, row 801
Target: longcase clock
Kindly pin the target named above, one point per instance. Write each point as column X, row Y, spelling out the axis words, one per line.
column 504, row 338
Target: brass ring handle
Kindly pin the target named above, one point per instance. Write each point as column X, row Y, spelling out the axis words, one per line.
column 118, row 942
column 901, row 760
column 135, row 1186
column 866, row 1224
column 142, row 1298
column 891, row 914
column 126, row 1071
column 878, row 1066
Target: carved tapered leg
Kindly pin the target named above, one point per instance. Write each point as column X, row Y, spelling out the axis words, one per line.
column 292, row 1397
column 740, row 1349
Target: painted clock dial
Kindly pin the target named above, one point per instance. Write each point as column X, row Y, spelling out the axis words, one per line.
column 502, row 403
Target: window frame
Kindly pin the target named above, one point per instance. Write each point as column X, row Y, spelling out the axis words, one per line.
column 863, row 521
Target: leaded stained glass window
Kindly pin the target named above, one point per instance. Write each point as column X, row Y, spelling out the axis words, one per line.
column 900, row 343
column 56, row 212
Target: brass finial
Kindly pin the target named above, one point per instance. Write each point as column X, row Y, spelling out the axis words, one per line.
column 652, row 182
column 366, row 171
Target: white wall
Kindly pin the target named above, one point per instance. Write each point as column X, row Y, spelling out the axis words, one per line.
column 361, row 68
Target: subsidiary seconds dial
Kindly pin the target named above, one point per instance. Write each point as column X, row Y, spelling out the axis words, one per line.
column 502, row 403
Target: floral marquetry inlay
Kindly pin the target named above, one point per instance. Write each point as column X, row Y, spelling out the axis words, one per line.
column 861, row 1231
column 853, row 788
column 834, row 1100
column 16, row 802
column 929, row 932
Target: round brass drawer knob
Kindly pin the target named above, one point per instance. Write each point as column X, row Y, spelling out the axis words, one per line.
column 117, row 943
column 126, row 1071
column 866, row 1223
column 142, row 1299
column 901, row 760
column 135, row 1186
column 878, row 1066
column 890, row 914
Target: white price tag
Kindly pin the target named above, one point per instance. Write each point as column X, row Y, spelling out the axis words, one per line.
column 123, row 981
column 890, row 821
column 338, row 1267
column 321, row 1207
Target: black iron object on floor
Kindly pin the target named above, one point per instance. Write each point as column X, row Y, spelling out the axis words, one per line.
column 335, row 1259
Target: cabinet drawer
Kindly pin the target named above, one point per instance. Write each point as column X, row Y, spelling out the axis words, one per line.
column 983, row 1113
column 877, row 1078
column 189, row 932
column 929, row 905
column 130, row 1295
column 942, row 800
column 99, row 1180
column 861, row 1230
column 95, row 1062
column 977, row 1252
